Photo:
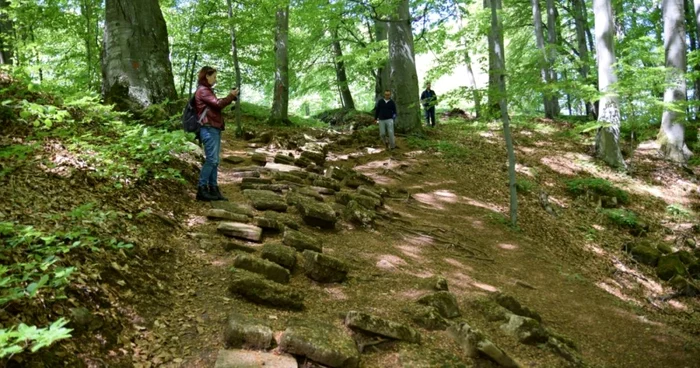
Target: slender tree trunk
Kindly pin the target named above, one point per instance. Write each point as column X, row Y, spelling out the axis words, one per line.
column 608, row 139
column 36, row 54
column 280, row 103
column 553, row 43
column 500, row 68
column 545, row 63
column 383, row 76
column 340, row 74
column 581, row 25
column 86, row 11
column 495, row 37
column 404, row 78
column 471, row 80
column 236, row 67
column 6, row 35
column 584, row 19
column 186, row 74
column 136, row 70
column 192, row 71
column 695, row 15
column 671, row 134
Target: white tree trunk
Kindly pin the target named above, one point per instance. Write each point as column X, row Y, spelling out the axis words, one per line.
column 280, row 103
column 404, row 78
column 494, row 36
column 671, row 134
column 608, row 138
column 136, row 70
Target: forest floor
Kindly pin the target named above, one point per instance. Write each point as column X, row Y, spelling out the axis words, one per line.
column 447, row 216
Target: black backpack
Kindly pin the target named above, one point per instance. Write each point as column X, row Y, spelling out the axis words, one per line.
column 190, row 121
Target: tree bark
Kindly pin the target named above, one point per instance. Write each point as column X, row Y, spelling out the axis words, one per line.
column 545, row 63
column 581, row 25
column 552, row 41
column 608, row 138
column 383, row 76
column 86, row 11
column 404, row 78
column 695, row 15
column 280, row 102
column 236, row 67
column 494, row 37
column 471, row 80
column 340, row 74
column 136, row 69
column 6, row 35
column 500, row 68
column 671, row 134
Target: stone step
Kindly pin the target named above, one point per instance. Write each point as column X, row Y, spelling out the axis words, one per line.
column 281, row 254
column 270, row 270
column 257, row 289
column 253, row 359
column 248, row 332
column 266, row 200
column 301, row 241
column 219, row 214
column 321, row 342
column 444, row 301
column 379, row 326
column 240, row 230
column 323, row 268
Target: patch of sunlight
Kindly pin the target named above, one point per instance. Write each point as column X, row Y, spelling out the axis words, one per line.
column 678, row 305
column 411, row 251
column 456, row 263
column 412, row 293
column 646, row 320
column 651, row 287
column 413, row 154
column 507, row 246
column 524, row 170
column 615, row 290
column 460, row 281
column 423, row 274
column 433, row 184
column 385, row 265
column 485, row 287
column 488, row 206
column 393, row 259
column 336, row 293
column 561, row 165
column 525, row 150
column 428, row 199
column 526, row 133
column 219, row 262
column 281, row 167
column 195, row 220
column 595, row 249
column 598, row 227
column 445, row 196
column 563, row 203
column 227, row 177
column 477, row 224
column 380, row 164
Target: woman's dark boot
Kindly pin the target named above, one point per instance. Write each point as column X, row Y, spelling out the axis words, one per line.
column 216, row 193
column 203, row 194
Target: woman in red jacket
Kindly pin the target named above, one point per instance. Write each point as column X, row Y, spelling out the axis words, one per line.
column 210, row 133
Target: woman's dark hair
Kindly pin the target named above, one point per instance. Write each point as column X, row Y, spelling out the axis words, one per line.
column 204, row 73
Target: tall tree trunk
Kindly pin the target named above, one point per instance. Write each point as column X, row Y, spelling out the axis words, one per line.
column 6, row 35
column 494, row 37
column 340, row 74
column 192, row 72
column 581, row 25
column 280, row 102
column 383, row 76
column 553, row 43
column 86, row 12
column 136, row 70
column 471, row 81
column 671, row 134
column 545, row 63
column 404, row 78
column 236, row 67
column 584, row 19
column 608, row 139
column 695, row 15
column 186, row 74
column 500, row 68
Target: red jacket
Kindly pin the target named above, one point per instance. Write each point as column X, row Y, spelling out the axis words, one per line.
column 204, row 97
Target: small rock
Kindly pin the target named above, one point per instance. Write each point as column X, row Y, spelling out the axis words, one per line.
column 300, row 241
column 670, row 266
column 233, row 159
column 259, row 158
column 509, row 302
column 281, row 254
column 439, row 283
column 646, row 255
column 564, row 351
column 445, row 302
column 327, row 183
column 302, row 162
column 690, row 242
column 268, row 224
column 316, row 213
column 685, row 287
column 685, row 257
column 233, row 207
column 266, row 200
column 284, row 159
column 257, row 289
column 491, row 310
column 253, row 359
column 336, row 173
column 281, row 167
column 239, row 230
column 282, row 176
column 219, row 214
column 270, row 270
column 427, row 317
column 379, row 326
column 357, row 214
column 323, row 268
column 315, row 157
column 282, row 218
column 247, row 332
column 475, row 343
column 234, row 245
column 320, row 342
column 308, row 192
column 256, row 181
column 370, row 203
column 527, row 330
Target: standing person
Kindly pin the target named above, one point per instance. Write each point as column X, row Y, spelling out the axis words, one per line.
column 384, row 114
column 208, row 105
column 429, row 99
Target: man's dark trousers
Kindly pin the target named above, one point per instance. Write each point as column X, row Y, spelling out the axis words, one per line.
column 430, row 116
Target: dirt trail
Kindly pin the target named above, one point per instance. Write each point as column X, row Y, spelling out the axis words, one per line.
column 387, row 265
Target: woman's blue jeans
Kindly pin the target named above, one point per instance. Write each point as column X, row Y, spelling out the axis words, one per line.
column 211, row 139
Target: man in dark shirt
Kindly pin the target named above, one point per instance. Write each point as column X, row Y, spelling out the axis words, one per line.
column 384, row 114
column 429, row 99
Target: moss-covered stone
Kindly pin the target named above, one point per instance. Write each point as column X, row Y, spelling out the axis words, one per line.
column 684, row 286
column 565, row 351
column 685, row 257
column 669, row 266
column 270, row 270
column 445, row 302
column 490, row 309
column 645, row 254
column 268, row 224
column 337, row 173
column 694, row 270
column 320, row 342
column 234, row 160
column 367, row 202
column 284, row 159
column 322, row 268
column 327, row 183
column 366, row 191
column 380, row 326
column 257, row 289
column 510, row 303
column 240, row 230
column 256, row 181
column 233, row 207
column 285, row 219
column 316, row 213
column 664, row 248
column 247, row 332
column 265, row 200
column 302, row 162
column 282, row 176
column 316, row 157
column 267, row 187
column 280, row 254
column 219, row 214
column 259, row 158
column 301, row 241
column 308, row 192
column 357, row 214
column 427, row 317
column 527, row 330
column 475, row 343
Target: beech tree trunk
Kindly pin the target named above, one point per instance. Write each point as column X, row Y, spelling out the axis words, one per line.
column 6, row 35
column 545, row 63
column 552, row 26
column 471, row 80
column 500, row 68
column 280, row 102
column 383, row 77
column 404, row 78
column 340, row 74
column 671, row 134
column 495, row 36
column 136, row 69
column 236, row 67
column 607, row 143
column 581, row 24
